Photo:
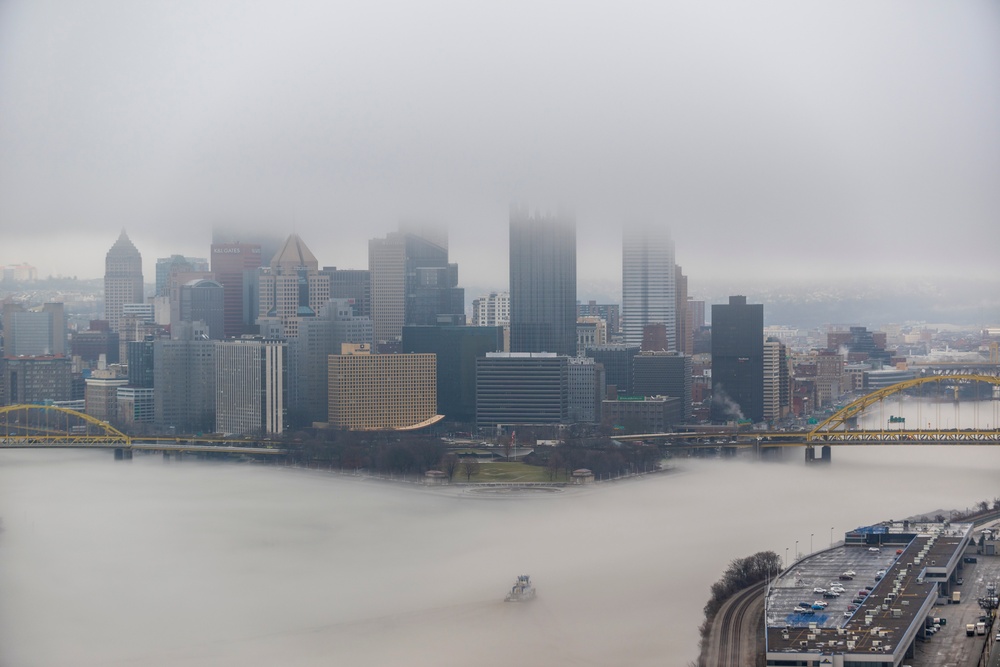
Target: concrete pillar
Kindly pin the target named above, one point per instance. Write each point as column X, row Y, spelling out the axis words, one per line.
column 825, row 454
column 810, row 454
column 119, row 453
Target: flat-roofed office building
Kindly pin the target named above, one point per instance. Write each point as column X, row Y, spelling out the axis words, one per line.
column 382, row 391
column 250, row 380
column 522, row 388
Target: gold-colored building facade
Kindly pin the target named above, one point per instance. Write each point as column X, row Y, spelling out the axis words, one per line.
column 381, row 391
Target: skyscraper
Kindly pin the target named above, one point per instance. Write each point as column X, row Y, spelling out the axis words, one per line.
column 122, row 279
column 737, row 360
column 176, row 264
column 455, row 349
column 34, row 332
column 235, row 267
column 250, row 380
column 776, row 385
column 412, row 282
column 542, row 283
column 648, row 283
column 204, row 301
column 292, row 288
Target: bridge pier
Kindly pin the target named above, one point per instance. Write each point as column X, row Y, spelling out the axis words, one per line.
column 123, row 454
column 825, row 454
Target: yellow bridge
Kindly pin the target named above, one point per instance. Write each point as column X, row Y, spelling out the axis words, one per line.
column 839, row 429
column 52, row 427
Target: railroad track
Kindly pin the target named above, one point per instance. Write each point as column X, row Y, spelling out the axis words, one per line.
column 732, row 642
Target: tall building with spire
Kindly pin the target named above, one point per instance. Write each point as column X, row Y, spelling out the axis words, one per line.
column 542, row 283
column 293, row 288
column 648, row 283
column 122, row 279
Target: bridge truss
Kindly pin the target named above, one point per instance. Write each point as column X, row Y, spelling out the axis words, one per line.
column 50, row 426
column 837, row 428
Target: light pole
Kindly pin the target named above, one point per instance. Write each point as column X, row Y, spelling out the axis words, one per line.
column 810, row 542
column 831, row 537
column 786, row 558
column 795, row 555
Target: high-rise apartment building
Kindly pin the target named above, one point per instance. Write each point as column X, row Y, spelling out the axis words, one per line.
column 776, row 380
column 251, row 386
column 491, row 310
column 829, row 377
column 235, row 266
column 737, row 360
column 543, row 307
column 122, row 279
column 382, row 391
column 293, row 288
column 648, row 283
column 36, row 379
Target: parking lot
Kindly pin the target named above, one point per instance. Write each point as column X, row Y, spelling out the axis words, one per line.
column 823, row 571
column 950, row 646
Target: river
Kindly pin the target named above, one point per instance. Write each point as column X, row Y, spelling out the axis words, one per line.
column 213, row 563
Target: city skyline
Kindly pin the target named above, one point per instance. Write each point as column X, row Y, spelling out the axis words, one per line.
column 766, row 146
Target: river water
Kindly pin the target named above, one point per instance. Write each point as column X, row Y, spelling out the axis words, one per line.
column 198, row 563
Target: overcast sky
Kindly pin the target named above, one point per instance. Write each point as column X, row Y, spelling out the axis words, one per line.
column 784, row 139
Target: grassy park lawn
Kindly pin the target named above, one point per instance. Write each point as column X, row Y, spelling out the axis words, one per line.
column 508, row 472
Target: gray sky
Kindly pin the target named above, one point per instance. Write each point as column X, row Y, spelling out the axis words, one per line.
column 781, row 139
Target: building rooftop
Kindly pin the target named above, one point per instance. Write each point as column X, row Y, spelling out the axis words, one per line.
column 891, row 576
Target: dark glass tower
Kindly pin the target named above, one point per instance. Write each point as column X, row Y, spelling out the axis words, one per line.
column 542, row 283
column 457, row 349
column 737, row 360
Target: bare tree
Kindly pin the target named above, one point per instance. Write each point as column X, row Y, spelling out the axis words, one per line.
column 470, row 467
column 553, row 466
column 507, row 444
column 983, row 505
column 996, row 503
column 450, row 464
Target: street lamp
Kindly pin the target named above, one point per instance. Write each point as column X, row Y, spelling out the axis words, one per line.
column 796, row 554
column 831, row 537
column 786, row 558
column 810, row 542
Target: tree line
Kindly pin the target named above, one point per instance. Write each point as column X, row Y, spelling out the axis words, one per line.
column 741, row 573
